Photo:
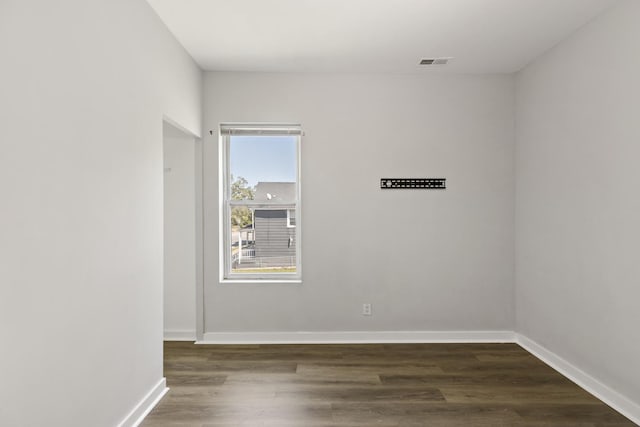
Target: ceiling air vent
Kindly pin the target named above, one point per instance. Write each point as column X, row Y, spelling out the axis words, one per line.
column 435, row 61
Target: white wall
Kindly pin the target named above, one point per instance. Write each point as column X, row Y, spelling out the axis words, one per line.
column 84, row 85
column 578, row 208
column 179, row 235
column 426, row 260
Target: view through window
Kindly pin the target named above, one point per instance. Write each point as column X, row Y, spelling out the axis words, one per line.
column 261, row 202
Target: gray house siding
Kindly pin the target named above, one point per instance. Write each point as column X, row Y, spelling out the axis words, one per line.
column 273, row 235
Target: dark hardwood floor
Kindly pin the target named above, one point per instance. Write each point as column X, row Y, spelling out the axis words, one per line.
column 370, row 385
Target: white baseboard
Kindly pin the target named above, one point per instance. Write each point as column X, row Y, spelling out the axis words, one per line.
column 609, row 396
column 145, row 406
column 179, row 335
column 356, row 337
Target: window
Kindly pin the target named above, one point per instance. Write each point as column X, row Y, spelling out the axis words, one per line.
column 260, row 202
column 291, row 218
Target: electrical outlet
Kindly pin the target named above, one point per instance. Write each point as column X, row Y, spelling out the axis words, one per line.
column 366, row 309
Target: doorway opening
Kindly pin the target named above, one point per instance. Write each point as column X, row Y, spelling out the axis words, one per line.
column 182, row 154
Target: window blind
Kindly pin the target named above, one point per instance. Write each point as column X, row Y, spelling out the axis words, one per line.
column 257, row 129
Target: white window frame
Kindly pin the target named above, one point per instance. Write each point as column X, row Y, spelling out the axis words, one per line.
column 226, row 130
column 289, row 219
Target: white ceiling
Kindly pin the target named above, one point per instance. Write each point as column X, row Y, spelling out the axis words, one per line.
column 483, row 36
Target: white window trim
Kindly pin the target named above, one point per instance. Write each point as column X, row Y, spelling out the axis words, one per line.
column 289, row 219
column 224, row 225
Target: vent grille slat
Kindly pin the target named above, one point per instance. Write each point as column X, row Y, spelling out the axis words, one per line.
column 435, row 61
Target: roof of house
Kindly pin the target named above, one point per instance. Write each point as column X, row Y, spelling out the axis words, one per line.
column 275, row 192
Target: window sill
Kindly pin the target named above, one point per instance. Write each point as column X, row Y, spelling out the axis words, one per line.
column 270, row 281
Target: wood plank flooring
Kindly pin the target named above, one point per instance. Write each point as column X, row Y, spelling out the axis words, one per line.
column 370, row 385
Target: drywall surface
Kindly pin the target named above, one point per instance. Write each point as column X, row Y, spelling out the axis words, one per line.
column 425, row 260
column 179, row 235
column 83, row 89
column 577, row 209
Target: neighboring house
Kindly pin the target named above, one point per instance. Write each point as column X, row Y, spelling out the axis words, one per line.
column 275, row 228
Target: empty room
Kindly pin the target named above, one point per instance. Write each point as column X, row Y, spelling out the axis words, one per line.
column 319, row 213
